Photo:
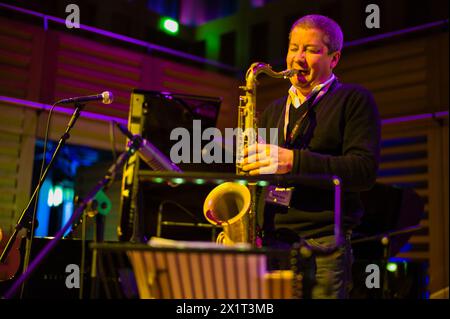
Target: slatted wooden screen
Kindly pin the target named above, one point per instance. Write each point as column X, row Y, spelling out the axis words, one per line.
column 405, row 77
column 21, row 49
column 45, row 66
column 175, row 77
column 395, row 74
column 85, row 67
column 414, row 156
column 17, row 129
column 404, row 163
column 20, row 126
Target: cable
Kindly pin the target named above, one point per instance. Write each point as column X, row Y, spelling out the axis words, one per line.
column 181, row 207
column 83, row 254
column 33, row 218
column 112, row 139
column 160, row 210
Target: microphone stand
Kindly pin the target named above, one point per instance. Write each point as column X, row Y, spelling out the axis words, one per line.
column 24, row 220
column 121, row 160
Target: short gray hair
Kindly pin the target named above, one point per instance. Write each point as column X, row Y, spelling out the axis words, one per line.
column 333, row 34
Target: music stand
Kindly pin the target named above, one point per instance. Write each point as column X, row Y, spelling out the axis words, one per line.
column 186, row 270
column 390, row 212
column 392, row 215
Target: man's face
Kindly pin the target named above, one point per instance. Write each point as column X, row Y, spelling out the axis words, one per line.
column 308, row 53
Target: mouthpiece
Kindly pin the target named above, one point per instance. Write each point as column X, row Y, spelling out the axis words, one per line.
column 289, row 73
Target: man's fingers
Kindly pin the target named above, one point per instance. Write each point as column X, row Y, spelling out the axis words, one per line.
column 255, row 165
column 254, row 172
column 271, row 169
column 255, row 157
column 256, row 148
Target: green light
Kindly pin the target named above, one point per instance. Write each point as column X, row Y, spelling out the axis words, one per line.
column 158, row 180
column 263, row 183
column 219, row 181
column 242, row 182
column 392, row 267
column 178, row 180
column 68, row 194
column 199, row 181
column 169, row 25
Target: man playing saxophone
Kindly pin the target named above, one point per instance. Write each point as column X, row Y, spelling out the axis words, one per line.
column 325, row 127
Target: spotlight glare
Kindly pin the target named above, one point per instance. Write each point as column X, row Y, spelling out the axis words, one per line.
column 169, row 25
column 392, row 267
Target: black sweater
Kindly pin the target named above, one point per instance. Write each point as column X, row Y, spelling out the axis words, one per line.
column 344, row 141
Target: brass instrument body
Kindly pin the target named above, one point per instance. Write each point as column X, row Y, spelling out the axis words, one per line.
column 232, row 205
column 247, row 122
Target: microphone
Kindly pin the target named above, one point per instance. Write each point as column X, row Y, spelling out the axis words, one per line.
column 150, row 154
column 106, row 98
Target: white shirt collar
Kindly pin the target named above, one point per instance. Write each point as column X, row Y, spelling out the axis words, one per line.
column 293, row 95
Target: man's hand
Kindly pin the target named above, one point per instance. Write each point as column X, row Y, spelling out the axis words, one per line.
column 267, row 159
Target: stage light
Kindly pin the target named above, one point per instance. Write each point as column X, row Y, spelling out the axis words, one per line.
column 263, row 183
column 177, row 180
column 169, row 25
column 199, row 181
column 55, row 196
column 392, row 267
column 50, row 197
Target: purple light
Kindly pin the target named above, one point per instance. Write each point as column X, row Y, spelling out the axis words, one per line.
column 123, row 38
column 339, row 240
column 416, row 117
column 59, row 109
column 395, row 33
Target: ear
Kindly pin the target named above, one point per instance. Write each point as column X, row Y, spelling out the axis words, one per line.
column 335, row 59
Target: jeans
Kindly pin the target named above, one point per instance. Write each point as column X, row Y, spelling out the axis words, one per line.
column 332, row 271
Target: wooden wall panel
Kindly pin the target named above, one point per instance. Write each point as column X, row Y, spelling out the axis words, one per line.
column 437, row 213
column 406, row 77
column 419, row 160
column 178, row 78
column 445, row 191
column 86, row 67
column 402, row 75
column 21, row 48
column 17, row 129
column 67, row 66
column 86, row 132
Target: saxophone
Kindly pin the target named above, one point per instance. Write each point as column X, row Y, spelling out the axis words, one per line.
column 232, row 205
